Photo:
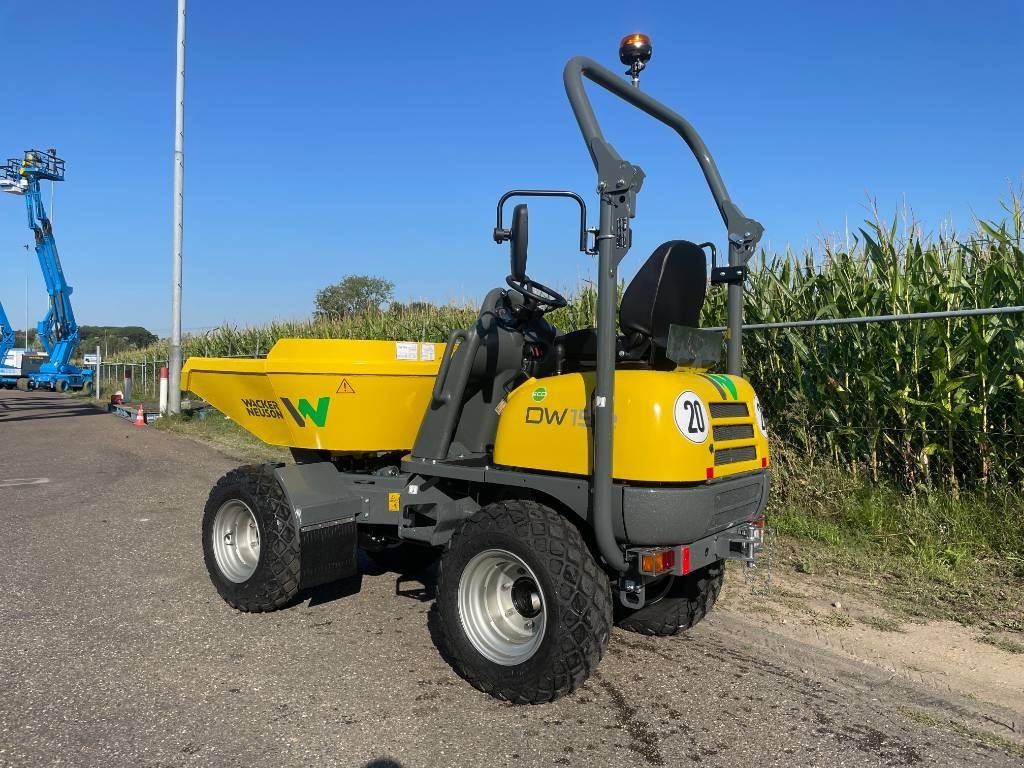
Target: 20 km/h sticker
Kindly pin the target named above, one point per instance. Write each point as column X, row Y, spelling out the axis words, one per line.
column 691, row 417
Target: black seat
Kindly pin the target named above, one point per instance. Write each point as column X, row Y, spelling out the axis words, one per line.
column 669, row 289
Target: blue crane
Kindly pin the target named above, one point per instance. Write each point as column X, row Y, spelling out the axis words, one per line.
column 58, row 331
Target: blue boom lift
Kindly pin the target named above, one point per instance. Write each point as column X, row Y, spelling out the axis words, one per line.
column 58, row 331
column 6, row 342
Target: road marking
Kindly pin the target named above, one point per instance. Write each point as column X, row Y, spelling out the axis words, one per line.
column 23, row 481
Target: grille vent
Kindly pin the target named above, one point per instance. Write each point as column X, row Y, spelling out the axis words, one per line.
column 724, row 432
column 734, row 455
column 729, row 410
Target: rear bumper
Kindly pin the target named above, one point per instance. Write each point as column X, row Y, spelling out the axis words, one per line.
column 667, row 516
column 740, row 542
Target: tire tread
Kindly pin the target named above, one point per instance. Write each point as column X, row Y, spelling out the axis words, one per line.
column 276, row 580
column 689, row 600
column 582, row 593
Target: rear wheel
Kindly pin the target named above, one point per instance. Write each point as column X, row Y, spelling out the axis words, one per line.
column 525, row 610
column 674, row 603
column 250, row 540
column 60, row 385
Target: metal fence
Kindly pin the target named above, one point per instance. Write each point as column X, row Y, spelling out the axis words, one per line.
column 145, row 376
column 912, row 316
column 144, row 373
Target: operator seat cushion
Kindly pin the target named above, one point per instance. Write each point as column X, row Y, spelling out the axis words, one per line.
column 669, row 289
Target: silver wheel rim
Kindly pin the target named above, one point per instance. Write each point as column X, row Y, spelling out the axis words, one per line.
column 502, row 607
column 236, row 541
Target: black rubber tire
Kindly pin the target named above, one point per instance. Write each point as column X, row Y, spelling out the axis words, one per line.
column 60, row 385
column 684, row 602
column 404, row 557
column 275, row 582
column 86, row 388
column 575, row 590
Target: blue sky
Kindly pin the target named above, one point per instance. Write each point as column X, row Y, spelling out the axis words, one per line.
column 326, row 138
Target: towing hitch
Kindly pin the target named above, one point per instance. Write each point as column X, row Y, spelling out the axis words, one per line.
column 745, row 542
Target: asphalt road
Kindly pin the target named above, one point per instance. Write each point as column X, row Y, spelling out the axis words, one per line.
column 115, row 650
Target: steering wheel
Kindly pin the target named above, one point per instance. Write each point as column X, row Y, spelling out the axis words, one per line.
column 536, row 293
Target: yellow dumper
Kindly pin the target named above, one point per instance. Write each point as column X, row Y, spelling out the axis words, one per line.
column 566, row 481
column 318, row 394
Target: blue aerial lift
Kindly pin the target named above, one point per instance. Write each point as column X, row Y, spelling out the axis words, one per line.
column 58, row 331
column 6, row 343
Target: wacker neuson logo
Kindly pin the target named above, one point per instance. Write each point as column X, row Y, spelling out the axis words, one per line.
column 305, row 410
column 264, row 409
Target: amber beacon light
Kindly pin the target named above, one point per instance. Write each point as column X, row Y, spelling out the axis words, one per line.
column 635, row 51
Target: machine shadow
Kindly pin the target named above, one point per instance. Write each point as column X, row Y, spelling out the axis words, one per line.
column 424, row 579
column 328, row 593
column 6, row 414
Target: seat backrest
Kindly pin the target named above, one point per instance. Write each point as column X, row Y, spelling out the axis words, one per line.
column 668, row 290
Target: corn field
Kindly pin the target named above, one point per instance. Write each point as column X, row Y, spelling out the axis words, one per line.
column 932, row 402
column 921, row 403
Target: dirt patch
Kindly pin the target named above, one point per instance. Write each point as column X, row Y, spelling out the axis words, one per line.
column 942, row 655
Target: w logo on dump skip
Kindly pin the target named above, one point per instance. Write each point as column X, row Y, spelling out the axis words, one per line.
column 305, row 410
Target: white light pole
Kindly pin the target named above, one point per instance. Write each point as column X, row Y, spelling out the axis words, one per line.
column 174, row 395
column 28, row 268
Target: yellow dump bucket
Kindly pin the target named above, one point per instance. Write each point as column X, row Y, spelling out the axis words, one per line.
column 325, row 394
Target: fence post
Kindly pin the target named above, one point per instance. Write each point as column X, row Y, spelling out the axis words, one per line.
column 163, row 391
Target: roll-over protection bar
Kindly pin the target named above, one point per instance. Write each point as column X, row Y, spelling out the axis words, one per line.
column 618, row 183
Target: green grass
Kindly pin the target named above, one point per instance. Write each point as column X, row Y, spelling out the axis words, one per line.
column 930, row 554
column 224, row 434
column 1003, row 643
column 881, row 623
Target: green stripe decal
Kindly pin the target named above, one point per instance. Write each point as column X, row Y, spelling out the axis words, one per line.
column 726, row 382
column 716, row 385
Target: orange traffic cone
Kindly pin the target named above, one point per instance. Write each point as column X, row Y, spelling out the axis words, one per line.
column 140, row 417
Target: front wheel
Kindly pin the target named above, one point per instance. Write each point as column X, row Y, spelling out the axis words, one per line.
column 250, row 540
column 674, row 603
column 525, row 611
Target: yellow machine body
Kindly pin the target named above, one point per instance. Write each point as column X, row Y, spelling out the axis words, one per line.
column 333, row 395
column 670, row 427
column 353, row 396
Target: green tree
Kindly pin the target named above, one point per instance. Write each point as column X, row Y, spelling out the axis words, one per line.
column 114, row 338
column 354, row 294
